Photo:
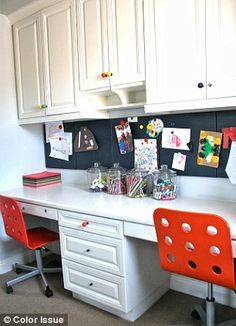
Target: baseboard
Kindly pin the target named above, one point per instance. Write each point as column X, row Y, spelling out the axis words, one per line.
column 199, row 289
column 21, row 258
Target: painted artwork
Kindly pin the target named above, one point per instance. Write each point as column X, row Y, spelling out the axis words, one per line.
column 176, row 138
column 154, row 127
column 145, row 154
column 124, row 137
column 209, row 148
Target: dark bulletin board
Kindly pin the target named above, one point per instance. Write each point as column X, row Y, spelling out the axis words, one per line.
column 108, row 151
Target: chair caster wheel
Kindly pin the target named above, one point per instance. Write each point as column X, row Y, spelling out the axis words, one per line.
column 48, row 292
column 195, row 314
column 18, row 270
column 9, row 289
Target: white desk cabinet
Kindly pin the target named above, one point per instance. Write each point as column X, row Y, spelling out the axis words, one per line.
column 46, row 62
column 190, row 53
column 102, row 267
column 111, row 40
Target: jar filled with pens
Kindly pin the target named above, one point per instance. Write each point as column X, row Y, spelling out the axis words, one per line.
column 137, row 183
column 164, row 183
column 116, row 182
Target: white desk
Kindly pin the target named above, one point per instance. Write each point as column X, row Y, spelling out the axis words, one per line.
column 117, row 222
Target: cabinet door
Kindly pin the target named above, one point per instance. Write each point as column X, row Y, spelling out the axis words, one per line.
column 28, row 67
column 92, row 42
column 175, row 56
column 126, row 41
column 60, row 59
column 221, row 48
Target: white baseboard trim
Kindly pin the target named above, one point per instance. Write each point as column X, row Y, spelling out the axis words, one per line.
column 21, row 258
column 199, row 289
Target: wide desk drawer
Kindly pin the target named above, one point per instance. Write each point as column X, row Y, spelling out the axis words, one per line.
column 92, row 250
column 91, row 224
column 37, row 210
column 99, row 286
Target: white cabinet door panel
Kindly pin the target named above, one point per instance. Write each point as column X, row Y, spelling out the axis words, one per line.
column 93, row 46
column 61, row 72
column 28, row 64
column 221, row 48
column 180, row 44
column 126, row 43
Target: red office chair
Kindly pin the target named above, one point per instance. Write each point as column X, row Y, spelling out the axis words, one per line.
column 197, row 245
column 33, row 239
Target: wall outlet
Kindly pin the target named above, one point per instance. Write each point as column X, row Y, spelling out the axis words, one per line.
column 132, row 119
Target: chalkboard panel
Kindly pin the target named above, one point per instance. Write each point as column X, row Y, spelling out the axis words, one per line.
column 108, row 150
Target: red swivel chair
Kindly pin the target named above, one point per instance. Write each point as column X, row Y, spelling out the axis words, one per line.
column 33, row 239
column 197, row 245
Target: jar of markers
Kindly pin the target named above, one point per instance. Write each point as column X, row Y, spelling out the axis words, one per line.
column 97, row 178
column 116, row 183
column 164, row 183
column 137, row 183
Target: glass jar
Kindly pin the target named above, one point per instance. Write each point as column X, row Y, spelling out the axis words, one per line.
column 97, row 177
column 137, row 183
column 116, row 183
column 164, row 183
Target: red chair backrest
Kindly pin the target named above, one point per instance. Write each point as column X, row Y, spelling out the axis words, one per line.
column 196, row 245
column 13, row 219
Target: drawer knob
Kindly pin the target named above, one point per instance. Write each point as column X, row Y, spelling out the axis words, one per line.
column 45, row 211
column 87, row 250
column 84, row 224
column 90, row 284
column 23, row 208
column 200, row 85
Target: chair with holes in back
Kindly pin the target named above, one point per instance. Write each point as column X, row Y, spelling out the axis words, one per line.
column 197, row 245
column 33, row 239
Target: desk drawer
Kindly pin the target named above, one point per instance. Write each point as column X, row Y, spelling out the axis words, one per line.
column 93, row 284
column 91, row 224
column 42, row 211
column 92, row 250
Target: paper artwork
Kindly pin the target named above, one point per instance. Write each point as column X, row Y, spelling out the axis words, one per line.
column 61, row 145
column 179, row 161
column 209, row 148
column 52, row 128
column 176, row 138
column 230, row 167
column 154, row 127
column 145, row 154
column 124, row 138
column 85, row 141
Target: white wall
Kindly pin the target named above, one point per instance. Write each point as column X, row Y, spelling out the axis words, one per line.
column 21, row 148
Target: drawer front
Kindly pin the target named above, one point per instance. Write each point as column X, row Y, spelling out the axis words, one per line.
column 91, row 224
column 93, row 284
column 92, row 250
column 42, row 211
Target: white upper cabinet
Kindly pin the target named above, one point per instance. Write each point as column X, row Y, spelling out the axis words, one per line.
column 111, row 49
column 190, row 53
column 28, row 59
column 93, row 43
column 60, row 58
column 46, row 62
column 221, row 48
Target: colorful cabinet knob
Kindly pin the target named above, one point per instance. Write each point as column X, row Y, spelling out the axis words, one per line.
column 109, row 74
column 85, row 223
column 103, row 75
column 42, row 106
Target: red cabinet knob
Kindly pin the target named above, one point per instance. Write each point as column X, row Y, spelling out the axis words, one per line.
column 103, row 75
column 85, row 223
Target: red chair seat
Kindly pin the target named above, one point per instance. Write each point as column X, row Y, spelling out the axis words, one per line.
column 38, row 237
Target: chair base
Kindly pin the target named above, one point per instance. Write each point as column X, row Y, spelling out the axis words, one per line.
column 31, row 272
column 208, row 316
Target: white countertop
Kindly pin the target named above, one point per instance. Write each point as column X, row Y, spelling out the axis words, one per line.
column 137, row 210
